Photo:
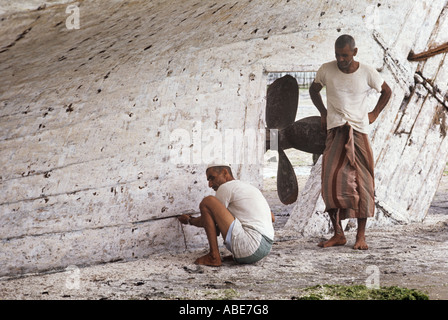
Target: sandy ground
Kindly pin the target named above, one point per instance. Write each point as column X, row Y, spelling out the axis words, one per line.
column 411, row 256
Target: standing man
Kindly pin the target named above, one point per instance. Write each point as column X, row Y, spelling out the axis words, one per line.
column 240, row 213
column 347, row 163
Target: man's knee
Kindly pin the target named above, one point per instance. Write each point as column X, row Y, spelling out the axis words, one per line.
column 207, row 202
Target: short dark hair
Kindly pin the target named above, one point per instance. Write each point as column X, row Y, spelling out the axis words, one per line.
column 220, row 168
column 344, row 40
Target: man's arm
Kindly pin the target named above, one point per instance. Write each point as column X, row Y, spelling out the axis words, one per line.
column 386, row 93
column 315, row 89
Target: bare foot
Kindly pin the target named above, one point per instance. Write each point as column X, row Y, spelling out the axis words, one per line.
column 208, row 260
column 336, row 240
column 360, row 244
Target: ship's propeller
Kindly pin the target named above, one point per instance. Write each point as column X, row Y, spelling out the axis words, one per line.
column 305, row 134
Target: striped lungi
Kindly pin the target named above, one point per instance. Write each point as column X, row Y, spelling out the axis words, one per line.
column 347, row 173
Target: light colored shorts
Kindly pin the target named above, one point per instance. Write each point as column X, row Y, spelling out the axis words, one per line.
column 246, row 244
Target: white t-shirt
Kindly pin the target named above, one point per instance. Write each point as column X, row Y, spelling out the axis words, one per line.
column 246, row 203
column 347, row 93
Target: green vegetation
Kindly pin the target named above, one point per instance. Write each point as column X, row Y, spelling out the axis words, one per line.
column 359, row 292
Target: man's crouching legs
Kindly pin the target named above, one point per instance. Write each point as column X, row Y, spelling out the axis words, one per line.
column 214, row 215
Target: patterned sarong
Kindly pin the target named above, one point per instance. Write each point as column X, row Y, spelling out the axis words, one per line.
column 347, row 173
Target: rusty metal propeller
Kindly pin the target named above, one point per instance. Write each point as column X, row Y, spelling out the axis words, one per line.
column 305, row 134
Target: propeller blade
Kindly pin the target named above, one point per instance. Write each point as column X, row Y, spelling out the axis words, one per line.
column 287, row 187
column 281, row 102
column 305, row 134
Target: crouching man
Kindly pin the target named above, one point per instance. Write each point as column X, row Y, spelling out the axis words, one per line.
column 240, row 213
